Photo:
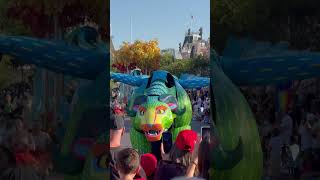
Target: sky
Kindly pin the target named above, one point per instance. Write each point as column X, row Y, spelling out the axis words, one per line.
column 165, row 20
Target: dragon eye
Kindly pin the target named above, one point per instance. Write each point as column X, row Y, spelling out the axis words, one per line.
column 142, row 110
column 160, row 111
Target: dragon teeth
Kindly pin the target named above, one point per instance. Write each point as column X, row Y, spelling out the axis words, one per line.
column 152, row 132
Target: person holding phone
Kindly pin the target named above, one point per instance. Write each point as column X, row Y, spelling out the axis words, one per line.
column 167, row 141
column 205, row 131
column 181, row 159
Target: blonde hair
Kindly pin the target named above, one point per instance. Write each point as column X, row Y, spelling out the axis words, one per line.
column 182, row 157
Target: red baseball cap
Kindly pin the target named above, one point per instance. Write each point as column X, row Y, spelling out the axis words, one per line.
column 186, row 140
column 149, row 163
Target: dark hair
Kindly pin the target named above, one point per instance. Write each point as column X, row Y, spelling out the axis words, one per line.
column 128, row 161
column 293, row 139
column 204, row 157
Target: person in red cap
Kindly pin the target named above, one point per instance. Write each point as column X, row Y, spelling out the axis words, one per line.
column 186, row 140
column 182, row 156
column 149, row 164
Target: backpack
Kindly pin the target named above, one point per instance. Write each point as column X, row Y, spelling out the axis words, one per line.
column 167, row 170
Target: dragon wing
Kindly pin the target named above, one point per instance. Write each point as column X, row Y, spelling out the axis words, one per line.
column 128, row 79
column 272, row 69
column 194, row 82
column 249, row 62
column 57, row 56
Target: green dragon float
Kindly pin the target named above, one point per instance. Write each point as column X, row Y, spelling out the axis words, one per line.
column 160, row 103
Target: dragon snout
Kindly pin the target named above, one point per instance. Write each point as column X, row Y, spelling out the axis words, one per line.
column 153, row 132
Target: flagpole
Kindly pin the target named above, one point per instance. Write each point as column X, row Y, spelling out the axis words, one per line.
column 131, row 29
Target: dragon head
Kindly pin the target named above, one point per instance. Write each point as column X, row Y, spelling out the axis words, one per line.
column 154, row 115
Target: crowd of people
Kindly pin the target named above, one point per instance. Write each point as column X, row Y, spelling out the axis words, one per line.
column 290, row 137
column 24, row 146
column 200, row 101
column 188, row 157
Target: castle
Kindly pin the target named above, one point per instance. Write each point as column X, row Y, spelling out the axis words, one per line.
column 194, row 45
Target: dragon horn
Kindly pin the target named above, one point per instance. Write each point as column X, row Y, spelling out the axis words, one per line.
column 166, row 98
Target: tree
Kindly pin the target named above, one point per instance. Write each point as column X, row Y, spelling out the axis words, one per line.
column 179, row 67
column 294, row 21
column 166, row 59
column 144, row 54
column 201, row 65
column 44, row 17
column 197, row 66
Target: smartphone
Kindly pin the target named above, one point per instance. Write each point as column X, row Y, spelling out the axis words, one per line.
column 167, row 141
column 205, row 131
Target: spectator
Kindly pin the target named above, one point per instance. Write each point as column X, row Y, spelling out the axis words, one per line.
column 27, row 111
column 149, row 164
column 22, row 151
column 306, row 136
column 8, row 105
column 204, row 157
column 41, row 139
column 181, row 157
column 286, row 127
column 128, row 164
column 275, row 145
column 16, row 129
column 116, row 132
column 294, row 157
column 42, row 142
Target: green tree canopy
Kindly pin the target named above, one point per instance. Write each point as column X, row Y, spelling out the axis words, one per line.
column 42, row 17
column 196, row 66
column 166, row 59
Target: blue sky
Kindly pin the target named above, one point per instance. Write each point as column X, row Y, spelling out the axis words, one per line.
column 165, row 20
